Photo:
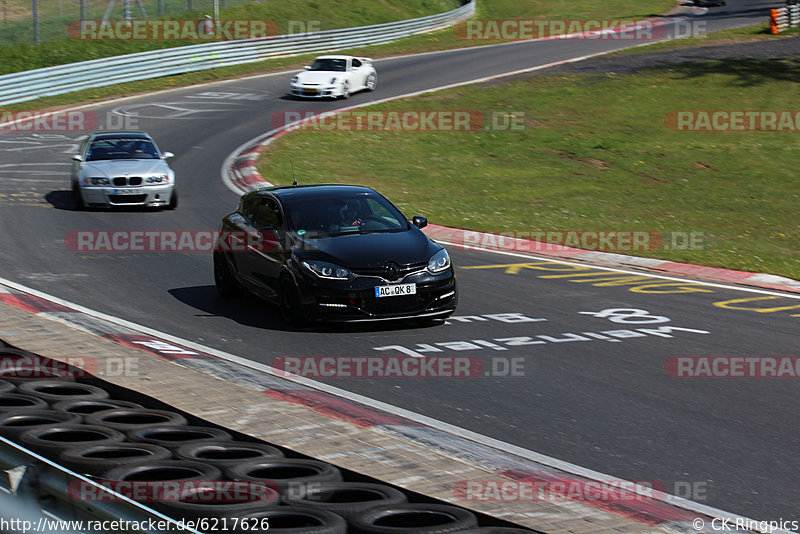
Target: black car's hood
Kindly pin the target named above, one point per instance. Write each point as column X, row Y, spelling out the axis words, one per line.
column 369, row 250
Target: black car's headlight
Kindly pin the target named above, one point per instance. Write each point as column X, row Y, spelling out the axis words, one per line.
column 331, row 271
column 96, row 181
column 439, row 262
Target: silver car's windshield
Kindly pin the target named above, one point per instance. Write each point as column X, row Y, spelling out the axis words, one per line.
column 121, row 148
column 335, row 65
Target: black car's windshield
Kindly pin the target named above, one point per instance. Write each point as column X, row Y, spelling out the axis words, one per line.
column 327, row 217
column 335, row 65
column 121, row 148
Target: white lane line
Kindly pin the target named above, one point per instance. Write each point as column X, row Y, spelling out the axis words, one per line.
column 385, row 407
column 619, row 270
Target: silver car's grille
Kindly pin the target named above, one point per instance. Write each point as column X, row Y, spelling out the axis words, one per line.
column 125, row 180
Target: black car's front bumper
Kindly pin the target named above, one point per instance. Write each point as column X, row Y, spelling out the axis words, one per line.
column 354, row 301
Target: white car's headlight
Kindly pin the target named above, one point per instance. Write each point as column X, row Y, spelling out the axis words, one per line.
column 295, row 79
column 323, row 269
column 96, row 181
column 333, row 80
column 439, row 262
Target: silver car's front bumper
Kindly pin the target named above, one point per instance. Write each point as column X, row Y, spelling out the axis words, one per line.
column 150, row 195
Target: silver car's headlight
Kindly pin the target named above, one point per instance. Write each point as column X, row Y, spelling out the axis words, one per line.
column 439, row 262
column 331, row 271
column 96, row 181
column 157, row 179
column 295, row 79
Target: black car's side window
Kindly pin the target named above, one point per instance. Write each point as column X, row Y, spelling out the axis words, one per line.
column 263, row 213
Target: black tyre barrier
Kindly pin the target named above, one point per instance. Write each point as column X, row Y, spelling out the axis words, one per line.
column 15, row 422
column 288, row 474
column 289, row 520
column 220, row 499
column 345, row 498
column 412, row 519
column 172, row 437
column 495, row 530
column 86, row 407
column 226, row 454
column 18, row 401
column 6, row 386
column 99, row 459
column 125, row 420
column 51, row 440
column 59, row 390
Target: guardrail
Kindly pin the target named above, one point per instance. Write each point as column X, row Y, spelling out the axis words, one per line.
column 51, row 81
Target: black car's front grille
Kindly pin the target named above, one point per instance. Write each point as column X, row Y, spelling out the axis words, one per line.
column 126, row 199
column 120, row 181
column 391, row 271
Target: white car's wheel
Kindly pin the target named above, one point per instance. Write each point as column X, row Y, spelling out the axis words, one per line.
column 346, row 89
column 372, row 82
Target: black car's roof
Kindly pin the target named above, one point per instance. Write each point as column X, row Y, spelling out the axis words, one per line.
column 314, row 190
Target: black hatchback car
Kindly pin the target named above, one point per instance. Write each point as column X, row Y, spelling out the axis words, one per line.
column 334, row 253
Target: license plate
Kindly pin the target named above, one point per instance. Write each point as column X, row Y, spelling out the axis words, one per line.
column 309, row 91
column 395, row 290
column 127, row 191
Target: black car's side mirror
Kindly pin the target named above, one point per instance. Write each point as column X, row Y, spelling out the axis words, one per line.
column 419, row 221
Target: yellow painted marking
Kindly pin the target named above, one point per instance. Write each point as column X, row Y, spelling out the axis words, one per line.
column 679, row 287
column 729, row 304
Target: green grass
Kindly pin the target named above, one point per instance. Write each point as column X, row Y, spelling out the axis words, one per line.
column 594, row 154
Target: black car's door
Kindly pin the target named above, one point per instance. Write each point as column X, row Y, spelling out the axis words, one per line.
column 265, row 255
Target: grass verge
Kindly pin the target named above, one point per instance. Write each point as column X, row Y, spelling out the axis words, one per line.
column 594, row 153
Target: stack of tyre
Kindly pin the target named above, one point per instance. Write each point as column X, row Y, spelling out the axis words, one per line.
column 218, row 482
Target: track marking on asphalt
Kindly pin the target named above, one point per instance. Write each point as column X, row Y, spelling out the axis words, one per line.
column 373, row 403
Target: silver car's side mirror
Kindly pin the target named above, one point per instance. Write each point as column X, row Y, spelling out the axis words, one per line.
column 77, row 157
column 168, row 155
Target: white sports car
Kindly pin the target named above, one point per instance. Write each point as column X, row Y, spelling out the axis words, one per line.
column 335, row 76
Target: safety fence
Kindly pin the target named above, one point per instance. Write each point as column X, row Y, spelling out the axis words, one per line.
column 784, row 18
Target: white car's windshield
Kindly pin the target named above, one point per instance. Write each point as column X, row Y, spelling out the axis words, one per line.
column 335, row 65
column 121, row 148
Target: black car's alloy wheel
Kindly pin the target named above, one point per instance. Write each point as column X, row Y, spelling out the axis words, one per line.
column 227, row 286
column 291, row 310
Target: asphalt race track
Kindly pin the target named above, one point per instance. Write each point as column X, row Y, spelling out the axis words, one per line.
column 590, row 345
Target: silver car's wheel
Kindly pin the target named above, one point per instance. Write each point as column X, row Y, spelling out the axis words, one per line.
column 76, row 191
column 372, row 82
